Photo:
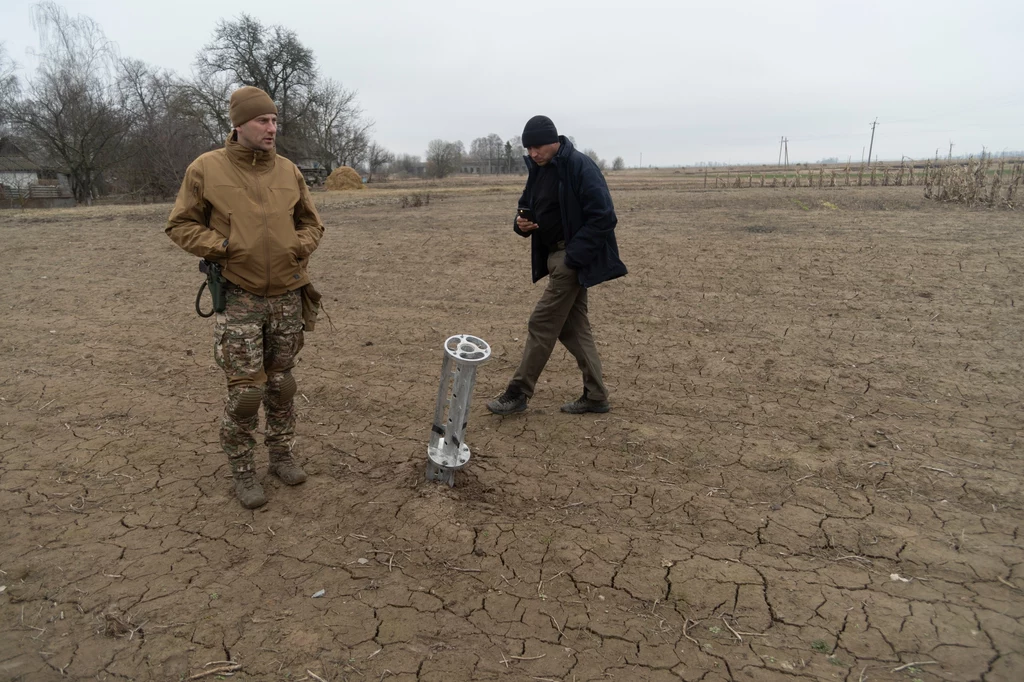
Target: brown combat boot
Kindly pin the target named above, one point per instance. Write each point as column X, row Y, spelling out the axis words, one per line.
column 248, row 490
column 284, row 466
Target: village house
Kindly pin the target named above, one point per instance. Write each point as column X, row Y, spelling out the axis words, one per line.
column 27, row 184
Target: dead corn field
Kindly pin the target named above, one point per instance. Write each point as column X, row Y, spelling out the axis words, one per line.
column 811, row 471
column 987, row 182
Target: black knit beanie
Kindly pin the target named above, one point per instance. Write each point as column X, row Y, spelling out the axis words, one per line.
column 539, row 131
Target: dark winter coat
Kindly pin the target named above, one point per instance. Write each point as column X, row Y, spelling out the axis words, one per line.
column 588, row 218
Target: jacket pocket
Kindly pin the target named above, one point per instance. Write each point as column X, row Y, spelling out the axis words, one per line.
column 245, row 248
column 284, row 267
column 227, row 240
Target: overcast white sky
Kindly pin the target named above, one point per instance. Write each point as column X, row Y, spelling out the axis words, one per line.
column 678, row 82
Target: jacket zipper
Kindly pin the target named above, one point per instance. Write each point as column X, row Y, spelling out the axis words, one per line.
column 561, row 204
column 266, row 228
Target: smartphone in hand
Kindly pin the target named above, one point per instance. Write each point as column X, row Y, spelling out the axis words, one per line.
column 526, row 214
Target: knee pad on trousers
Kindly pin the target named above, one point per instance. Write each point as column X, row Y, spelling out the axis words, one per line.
column 248, row 404
column 284, row 388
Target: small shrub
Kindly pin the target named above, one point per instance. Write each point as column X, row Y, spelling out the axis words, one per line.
column 416, row 199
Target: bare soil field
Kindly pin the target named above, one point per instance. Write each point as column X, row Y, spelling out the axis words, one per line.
column 811, row 471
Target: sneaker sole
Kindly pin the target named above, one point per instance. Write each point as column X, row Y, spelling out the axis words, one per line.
column 505, row 413
column 287, row 481
column 594, row 410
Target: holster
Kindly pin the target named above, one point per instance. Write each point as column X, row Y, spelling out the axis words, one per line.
column 215, row 283
column 310, row 307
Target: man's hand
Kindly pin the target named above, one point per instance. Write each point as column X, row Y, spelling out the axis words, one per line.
column 525, row 225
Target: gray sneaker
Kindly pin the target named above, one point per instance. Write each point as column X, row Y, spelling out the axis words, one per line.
column 248, row 490
column 509, row 402
column 583, row 404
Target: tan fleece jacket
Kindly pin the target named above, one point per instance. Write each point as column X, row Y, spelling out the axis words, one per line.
column 249, row 211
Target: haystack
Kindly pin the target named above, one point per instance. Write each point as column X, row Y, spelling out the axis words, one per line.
column 344, row 178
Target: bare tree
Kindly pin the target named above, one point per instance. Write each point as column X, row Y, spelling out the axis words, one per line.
column 208, row 99
column 9, row 88
column 601, row 163
column 334, row 126
column 164, row 135
column 489, row 149
column 377, row 161
column 120, row 122
column 478, row 149
column 443, row 157
column 70, row 107
column 618, row 163
column 406, row 163
column 268, row 57
column 330, row 106
column 353, row 140
column 512, row 152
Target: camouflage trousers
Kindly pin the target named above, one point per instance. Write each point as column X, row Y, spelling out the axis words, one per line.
column 256, row 341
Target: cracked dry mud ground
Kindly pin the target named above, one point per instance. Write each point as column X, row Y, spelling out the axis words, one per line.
column 807, row 403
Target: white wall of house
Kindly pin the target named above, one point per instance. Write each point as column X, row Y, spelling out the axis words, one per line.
column 18, row 178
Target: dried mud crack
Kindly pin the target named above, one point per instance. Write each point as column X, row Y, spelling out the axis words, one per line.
column 811, row 470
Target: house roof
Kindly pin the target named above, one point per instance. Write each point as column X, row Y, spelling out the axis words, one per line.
column 14, row 164
column 12, row 159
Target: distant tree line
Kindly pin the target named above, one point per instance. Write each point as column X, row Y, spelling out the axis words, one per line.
column 117, row 124
column 445, row 157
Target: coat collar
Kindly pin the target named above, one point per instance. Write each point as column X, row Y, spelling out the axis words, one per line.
column 565, row 149
column 249, row 158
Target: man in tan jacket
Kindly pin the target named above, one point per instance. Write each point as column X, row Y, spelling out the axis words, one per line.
column 248, row 210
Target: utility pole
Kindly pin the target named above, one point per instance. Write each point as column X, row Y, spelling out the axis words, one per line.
column 781, row 140
column 785, row 141
column 641, row 159
column 872, row 139
column 951, row 145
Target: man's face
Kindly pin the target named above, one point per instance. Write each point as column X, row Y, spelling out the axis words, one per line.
column 544, row 153
column 259, row 133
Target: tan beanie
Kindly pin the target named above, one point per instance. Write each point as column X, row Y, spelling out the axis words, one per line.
column 247, row 103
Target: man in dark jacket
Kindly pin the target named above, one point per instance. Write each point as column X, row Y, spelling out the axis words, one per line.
column 567, row 213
